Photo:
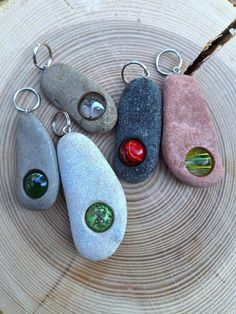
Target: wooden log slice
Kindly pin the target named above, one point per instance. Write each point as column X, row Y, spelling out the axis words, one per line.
column 179, row 252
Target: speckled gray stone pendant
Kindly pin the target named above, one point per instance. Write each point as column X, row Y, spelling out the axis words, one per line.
column 139, row 128
column 95, row 199
column 37, row 170
column 68, row 89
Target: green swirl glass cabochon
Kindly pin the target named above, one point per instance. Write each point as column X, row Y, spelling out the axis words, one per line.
column 199, row 162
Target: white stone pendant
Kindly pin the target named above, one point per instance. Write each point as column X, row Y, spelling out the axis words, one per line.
column 95, row 198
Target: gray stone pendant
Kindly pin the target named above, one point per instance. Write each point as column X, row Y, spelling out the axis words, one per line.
column 68, row 89
column 37, row 170
column 138, row 129
column 95, row 198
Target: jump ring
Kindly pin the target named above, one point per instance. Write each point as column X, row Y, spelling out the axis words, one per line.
column 27, row 89
column 145, row 72
column 66, row 128
column 50, row 59
column 176, row 69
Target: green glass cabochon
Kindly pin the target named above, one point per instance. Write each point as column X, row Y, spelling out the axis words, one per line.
column 35, row 184
column 99, row 217
column 199, row 161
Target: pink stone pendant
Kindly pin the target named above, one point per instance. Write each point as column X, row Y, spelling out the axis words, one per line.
column 189, row 141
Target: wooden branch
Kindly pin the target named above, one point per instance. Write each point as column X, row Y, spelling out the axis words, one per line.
column 212, row 46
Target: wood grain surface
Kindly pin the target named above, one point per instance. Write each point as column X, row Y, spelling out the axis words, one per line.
column 179, row 252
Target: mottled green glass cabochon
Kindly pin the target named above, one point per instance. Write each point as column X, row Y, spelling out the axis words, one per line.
column 199, row 162
column 35, row 183
column 99, row 217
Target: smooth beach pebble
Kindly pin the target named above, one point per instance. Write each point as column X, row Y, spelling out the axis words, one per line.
column 85, row 101
column 37, row 167
column 190, row 145
column 94, row 196
column 138, row 130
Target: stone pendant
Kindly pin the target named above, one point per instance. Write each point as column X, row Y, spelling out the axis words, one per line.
column 189, row 143
column 37, row 170
column 86, row 102
column 138, row 130
column 95, row 199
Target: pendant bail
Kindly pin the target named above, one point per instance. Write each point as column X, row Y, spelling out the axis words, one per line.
column 50, row 58
column 145, row 72
column 66, row 128
column 176, row 69
column 25, row 109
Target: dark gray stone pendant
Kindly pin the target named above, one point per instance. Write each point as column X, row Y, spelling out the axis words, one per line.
column 138, row 130
column 37, row 170
column 86, row 102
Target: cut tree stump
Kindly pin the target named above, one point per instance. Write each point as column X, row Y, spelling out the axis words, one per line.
column 179, row 252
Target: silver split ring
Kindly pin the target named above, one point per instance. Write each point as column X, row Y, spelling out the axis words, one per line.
column 176, row 69
column 50, row 58
column 145, row 72
column 66, row 128
column 25, row 109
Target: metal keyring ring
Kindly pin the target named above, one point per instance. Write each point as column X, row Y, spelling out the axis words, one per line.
column 145, row 72
column 50, row 59
column 27, row 89
column 176, row 69
column 66, row 128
